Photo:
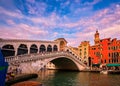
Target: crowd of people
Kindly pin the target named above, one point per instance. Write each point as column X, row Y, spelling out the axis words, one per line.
column 115, row 68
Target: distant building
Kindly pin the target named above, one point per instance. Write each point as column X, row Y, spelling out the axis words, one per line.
column 105, row 50
column 84, row 51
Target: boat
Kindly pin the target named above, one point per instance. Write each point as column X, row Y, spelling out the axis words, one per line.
column 104, row 72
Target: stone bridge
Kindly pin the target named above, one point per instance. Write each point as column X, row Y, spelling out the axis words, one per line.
column 34, row 55
column 63, row 60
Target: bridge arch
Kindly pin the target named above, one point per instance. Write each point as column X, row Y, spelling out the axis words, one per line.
column 55, row 48
column 22, row 49
column 65, row 63
column 49, row 48
column 42, row 48
column 33, row 48
column 62, row 45
column 8, row 50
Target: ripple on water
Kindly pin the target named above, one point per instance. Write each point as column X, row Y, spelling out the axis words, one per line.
column 54, row 78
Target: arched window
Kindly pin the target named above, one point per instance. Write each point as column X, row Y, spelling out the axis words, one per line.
column 22, row 49
column 33, row 48
column 62, row 45
column 42, row 48
column 55, row 48
column 8, row 50
column 67, row 50
column 49, row 48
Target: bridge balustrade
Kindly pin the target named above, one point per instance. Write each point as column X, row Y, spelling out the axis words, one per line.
column 33, row 57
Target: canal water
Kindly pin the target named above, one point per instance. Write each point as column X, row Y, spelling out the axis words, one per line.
column 65, row 78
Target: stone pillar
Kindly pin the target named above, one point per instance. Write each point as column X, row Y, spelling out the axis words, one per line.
column 38, row 48
column 16, row 49
column 28, row 46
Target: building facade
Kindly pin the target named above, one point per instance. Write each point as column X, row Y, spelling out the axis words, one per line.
column 84, row 51
column 105, row 50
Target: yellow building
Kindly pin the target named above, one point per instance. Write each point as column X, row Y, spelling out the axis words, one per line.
column 84, row 51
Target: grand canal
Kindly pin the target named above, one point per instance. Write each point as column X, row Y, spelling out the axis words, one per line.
column 65, row 78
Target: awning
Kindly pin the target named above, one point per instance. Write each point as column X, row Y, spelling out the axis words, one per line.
column 110, row 65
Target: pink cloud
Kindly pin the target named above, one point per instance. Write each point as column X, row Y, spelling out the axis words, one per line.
column 21, row 31
column 7, row 32
column 16, row 14
column 32, row 29
column 10, row 22
column 112, row 31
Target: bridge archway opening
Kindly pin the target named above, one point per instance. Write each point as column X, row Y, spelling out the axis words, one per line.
column 55, row 48
column 62, row 45
column 33, row 49
column 64, row 63
column 49, row 48
column 8, row 50
column 22, row 49
column 42, row 48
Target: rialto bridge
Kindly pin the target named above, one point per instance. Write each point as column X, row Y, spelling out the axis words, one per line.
column 33, row 55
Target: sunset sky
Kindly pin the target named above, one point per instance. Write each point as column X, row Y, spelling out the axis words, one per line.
column 74, row 20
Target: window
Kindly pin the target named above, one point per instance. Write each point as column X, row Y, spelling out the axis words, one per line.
column 109, row 54
column 105, row 60
column 108, row 43
column 112, row 60
column 112, row 48
column 101, row 61
column 85, row 53
column 80, row 53
column 116, row 47
column 114, row 55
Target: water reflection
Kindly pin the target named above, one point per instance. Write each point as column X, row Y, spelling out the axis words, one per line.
column 63, row 78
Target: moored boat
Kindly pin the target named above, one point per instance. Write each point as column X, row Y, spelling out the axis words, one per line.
column 104, row 72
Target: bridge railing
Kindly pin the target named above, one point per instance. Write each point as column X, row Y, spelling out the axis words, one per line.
column 37, row 56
